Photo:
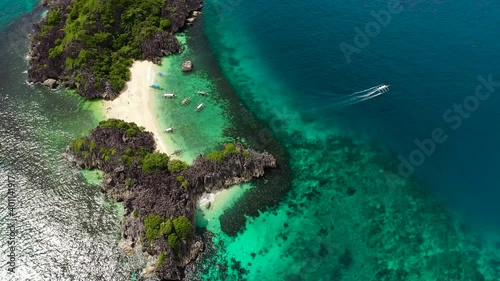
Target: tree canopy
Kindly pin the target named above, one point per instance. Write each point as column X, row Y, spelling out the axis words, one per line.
column 176, row 166
column 220, row 155
column 103, row 38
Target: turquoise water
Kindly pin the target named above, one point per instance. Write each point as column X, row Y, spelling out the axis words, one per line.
column 350, row 214
column 195, row 132
column 66, row 228
column 10, row 10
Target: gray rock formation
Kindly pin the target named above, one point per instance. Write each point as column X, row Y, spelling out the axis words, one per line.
column 187, row 66
column 161, row 193
column 51, row 83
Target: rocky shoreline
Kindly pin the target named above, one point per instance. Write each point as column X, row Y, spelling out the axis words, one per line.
column 169, row 194
column 68, row 66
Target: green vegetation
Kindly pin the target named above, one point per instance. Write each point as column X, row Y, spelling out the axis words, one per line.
column 106, row 153
column 246, row 154
column 128, row 182
column 131, row 132
column 109, row 49
column 185, row 184
column 135, row 213
column 182, row 227
column 176, row 166
column 131, row 129
column 220, row 155
column 93, row 145
column 174, row 230
column 161, row 259
column 142, row 151
column 84, row 146
column 153, row 162
column 152, row 227
column 53, row 17
column 127, row 160
column 77, row 144
column 173, row 241
column 166, row 227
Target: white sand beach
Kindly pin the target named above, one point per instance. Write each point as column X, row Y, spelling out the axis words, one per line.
column 135, row 103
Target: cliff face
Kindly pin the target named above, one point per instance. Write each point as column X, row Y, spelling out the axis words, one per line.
column 162, row 192
column 91, row 48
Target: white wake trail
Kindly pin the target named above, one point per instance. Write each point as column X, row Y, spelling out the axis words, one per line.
column 337, row 102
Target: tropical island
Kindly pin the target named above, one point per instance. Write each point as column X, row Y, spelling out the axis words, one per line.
column 159, row 193
column 90, row 45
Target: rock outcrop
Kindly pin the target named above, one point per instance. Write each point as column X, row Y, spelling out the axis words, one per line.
column 51, row 83
column 160, row 193
column 50, row 60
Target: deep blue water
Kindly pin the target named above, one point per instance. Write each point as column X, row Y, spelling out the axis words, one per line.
column 285, row 63
column 431, row 54
column 351, row 214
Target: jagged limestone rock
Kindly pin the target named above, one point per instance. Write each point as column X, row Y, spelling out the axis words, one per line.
column 160, row 193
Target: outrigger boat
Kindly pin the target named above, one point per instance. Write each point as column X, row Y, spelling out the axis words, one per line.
column 169, row 95
column 185, row 101
column 200, row 106
column 203, row 93
column 154, row 86
column 170, row 130
column 162, row 74
column 177, row 151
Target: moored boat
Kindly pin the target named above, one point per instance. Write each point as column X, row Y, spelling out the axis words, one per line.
column 200, row 107
column 169, row 95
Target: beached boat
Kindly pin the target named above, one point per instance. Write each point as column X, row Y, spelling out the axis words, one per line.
column 185, row 101
column 203, row 93
column 170, row 130
column 200, row 106
column 154, row 86
column 169, row 95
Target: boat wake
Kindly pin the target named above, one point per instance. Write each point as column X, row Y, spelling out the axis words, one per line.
column 337, row 102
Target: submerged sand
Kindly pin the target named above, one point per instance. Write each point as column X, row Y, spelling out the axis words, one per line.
column 135, row 103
